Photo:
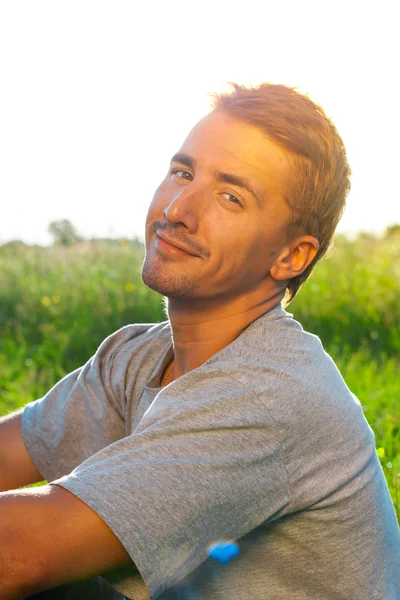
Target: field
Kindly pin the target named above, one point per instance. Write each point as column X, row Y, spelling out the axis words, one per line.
column 59, row 303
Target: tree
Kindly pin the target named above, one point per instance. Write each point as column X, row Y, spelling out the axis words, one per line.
column 64, row 233
column 392, row 231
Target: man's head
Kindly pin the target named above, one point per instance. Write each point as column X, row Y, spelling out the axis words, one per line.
column 255, row 193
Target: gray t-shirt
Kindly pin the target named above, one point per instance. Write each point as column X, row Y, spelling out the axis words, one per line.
column 263, row 444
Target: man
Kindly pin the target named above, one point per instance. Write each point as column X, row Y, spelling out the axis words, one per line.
column 227, row 422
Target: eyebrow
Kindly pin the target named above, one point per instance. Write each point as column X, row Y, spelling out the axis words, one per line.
column 184, row 159
column 188, row 161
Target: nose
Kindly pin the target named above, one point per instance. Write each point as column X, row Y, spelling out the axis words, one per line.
column 184, row 208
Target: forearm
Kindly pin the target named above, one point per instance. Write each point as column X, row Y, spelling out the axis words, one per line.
column 12, row 586
column 18, row 568
column 7, row 593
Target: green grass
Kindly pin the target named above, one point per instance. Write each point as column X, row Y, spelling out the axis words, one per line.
column 59, row 303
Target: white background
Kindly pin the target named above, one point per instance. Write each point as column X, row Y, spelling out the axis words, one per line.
column 96, row 96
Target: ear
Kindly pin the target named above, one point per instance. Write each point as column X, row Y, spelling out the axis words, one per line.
column 294, row 259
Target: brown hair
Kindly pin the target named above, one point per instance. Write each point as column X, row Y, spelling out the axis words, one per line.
column 320, row 174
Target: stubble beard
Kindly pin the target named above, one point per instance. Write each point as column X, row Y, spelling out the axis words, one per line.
column 167, row 283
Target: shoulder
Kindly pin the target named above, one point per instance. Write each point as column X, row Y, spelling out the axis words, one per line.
column 275, row 352
column 131, row 336
column 130, row 354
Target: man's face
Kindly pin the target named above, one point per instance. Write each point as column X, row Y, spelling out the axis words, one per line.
column 223, row 200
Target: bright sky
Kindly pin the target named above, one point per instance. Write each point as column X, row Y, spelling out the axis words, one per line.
column 96, row 96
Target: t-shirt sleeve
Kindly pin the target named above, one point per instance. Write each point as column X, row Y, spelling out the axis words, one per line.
column 203, row 465
column 80, row 415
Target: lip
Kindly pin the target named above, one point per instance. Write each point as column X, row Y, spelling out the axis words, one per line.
column 175, row 244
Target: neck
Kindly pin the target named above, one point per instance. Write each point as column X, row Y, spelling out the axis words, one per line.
column 201, row 330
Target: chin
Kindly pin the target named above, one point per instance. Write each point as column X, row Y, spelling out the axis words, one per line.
column 169, row 285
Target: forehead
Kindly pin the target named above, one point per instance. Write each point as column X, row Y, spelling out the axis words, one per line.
column 220, row 141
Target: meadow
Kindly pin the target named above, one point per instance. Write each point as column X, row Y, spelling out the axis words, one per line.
column 57, row 304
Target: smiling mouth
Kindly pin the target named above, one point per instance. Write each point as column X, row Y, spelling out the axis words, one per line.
column 171, row 250
column 163, row 241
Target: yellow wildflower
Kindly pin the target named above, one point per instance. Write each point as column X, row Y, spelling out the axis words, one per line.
column 381, row 452
column 45, row 301
column 129, row 287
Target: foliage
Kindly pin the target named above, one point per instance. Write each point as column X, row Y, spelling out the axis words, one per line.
column 59, row 303
column 64, row 233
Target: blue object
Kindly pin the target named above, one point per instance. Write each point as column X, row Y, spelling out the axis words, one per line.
column 223, row 551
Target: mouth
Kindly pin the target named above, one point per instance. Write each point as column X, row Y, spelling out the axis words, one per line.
column 166, row 244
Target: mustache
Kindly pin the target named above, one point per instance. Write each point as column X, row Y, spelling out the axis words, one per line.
column 177, row 236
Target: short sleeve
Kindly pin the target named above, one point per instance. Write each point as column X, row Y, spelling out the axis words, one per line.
column 80, row 415
column 203, row 465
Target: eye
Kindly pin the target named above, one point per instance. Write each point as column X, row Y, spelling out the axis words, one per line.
column 232, row 198
column 182, row 174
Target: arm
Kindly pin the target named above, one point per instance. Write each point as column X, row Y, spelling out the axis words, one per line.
column 48, row 538
column 16, row 466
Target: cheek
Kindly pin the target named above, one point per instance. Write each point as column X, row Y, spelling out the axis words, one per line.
column 255, row 250
column 236, row 251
